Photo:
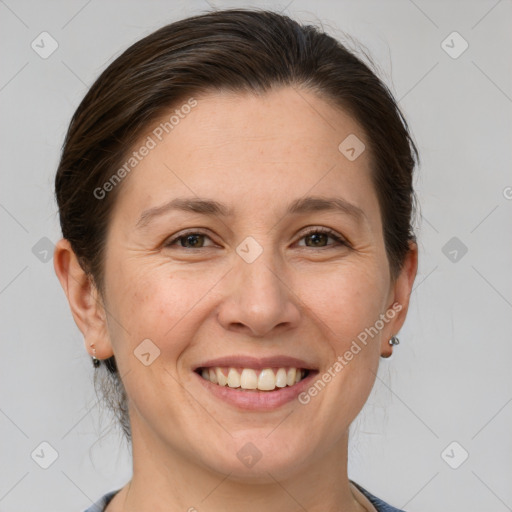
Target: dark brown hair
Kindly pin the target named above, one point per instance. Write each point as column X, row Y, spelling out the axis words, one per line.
column 234, row 50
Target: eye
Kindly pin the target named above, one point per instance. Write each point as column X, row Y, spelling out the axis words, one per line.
column 316, row 238
column 319, row 237
column 190, row 240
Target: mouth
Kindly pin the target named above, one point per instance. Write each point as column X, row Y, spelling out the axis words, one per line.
column 258, row 384
column 252, row 379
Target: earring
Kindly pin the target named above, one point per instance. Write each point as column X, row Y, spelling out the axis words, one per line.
column 95, row 361
column 394, row 340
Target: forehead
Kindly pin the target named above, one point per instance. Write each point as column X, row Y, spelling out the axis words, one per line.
column 250, row 150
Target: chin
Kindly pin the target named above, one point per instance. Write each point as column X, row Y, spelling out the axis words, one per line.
column 257, row 459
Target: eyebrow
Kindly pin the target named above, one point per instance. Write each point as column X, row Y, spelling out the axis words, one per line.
column 214, row 208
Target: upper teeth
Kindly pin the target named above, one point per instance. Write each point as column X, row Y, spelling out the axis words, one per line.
column 248, row 378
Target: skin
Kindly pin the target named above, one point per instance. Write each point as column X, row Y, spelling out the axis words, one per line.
column 256, row 154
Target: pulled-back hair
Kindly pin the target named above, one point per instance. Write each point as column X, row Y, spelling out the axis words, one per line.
column 235, row 50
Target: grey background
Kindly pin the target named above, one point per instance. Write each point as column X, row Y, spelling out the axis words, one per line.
column 448, row 380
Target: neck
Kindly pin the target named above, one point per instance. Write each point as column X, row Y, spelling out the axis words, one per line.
column 165, row 479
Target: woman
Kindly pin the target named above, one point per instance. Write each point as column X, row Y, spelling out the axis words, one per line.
column 235, row 196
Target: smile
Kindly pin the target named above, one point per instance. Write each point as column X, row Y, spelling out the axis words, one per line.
column 247, row 379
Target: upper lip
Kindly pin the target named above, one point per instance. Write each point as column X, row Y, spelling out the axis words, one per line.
column 257, row 363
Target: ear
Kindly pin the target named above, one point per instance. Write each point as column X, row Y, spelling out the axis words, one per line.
column 399, row 298
column 84, row 300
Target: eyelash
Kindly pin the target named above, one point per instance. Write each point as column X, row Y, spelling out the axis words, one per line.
column 332, row 234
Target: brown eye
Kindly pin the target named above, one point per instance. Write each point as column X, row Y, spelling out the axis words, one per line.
column 318, row 238
column 189, row 241
column 196, row 240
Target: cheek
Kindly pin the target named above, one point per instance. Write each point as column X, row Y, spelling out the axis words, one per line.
column 159, row 303
column 347, row 300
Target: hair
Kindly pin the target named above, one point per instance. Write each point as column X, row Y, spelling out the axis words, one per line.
column 239, row 51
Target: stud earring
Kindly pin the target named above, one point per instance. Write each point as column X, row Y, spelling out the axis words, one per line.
column 95, row 361
column 394, row 340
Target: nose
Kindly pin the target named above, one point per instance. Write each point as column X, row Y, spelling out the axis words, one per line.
column 258, row 299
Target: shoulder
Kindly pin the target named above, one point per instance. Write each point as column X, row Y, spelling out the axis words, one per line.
column 379, row 504
column 99, row 506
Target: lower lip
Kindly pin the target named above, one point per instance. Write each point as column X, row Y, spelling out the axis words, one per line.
column 257, row 400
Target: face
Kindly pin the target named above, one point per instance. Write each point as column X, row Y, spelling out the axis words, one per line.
column 282, row 265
